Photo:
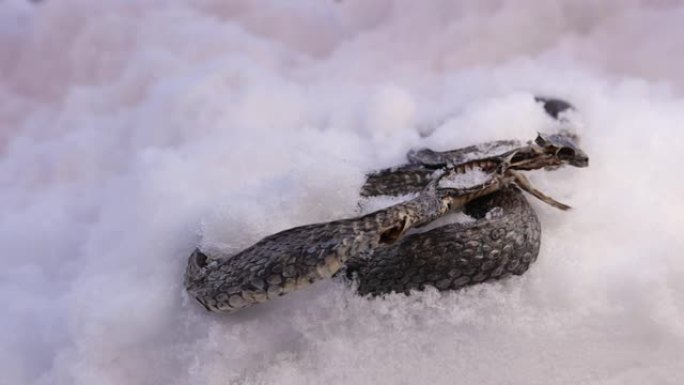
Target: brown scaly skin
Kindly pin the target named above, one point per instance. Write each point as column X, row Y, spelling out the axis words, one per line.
column 295, row 258
column 423, row 164
column 546, row 151
column 433, row 159
column 494, row 246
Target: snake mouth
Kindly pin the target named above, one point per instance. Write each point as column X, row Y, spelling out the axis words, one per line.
column 198, row 259
column 195, row 270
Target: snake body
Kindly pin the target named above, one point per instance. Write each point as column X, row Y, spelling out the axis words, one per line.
column 295, row 258
column 398, row 248
column 503, row 239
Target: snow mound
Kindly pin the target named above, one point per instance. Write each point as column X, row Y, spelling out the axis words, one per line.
column 132, row 131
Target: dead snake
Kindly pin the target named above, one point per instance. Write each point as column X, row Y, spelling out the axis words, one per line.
column 385, row 251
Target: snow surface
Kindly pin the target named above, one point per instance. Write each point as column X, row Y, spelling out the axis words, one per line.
column 470, row 178
column 131, row 131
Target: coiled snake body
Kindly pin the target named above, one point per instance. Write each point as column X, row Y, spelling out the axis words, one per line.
column 503, row 239
column 387, row 250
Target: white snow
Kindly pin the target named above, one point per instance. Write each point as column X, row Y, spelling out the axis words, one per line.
column 131, row 131
column 469, row 178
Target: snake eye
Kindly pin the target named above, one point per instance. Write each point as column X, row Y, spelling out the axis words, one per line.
column 565, row 153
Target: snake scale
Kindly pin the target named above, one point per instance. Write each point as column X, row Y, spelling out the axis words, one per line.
column 503, row 239
column 398, row 248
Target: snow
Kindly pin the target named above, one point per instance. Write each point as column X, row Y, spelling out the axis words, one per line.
column 132, row 131
column 469, row 178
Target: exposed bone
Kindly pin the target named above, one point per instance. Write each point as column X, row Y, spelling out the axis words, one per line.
column 522, row 182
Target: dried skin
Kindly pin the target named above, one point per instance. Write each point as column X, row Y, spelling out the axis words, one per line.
column 456, row 255
column 295, row 258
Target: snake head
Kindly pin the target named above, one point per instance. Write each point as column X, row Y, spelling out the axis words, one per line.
column 563, row 149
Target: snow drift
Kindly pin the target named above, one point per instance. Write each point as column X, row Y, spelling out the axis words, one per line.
column 131, row 131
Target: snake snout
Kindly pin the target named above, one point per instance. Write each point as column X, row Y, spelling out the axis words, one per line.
column 196, row 263
column 198, row 258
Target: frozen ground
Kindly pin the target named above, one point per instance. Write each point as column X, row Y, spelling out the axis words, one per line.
column 131, row 131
